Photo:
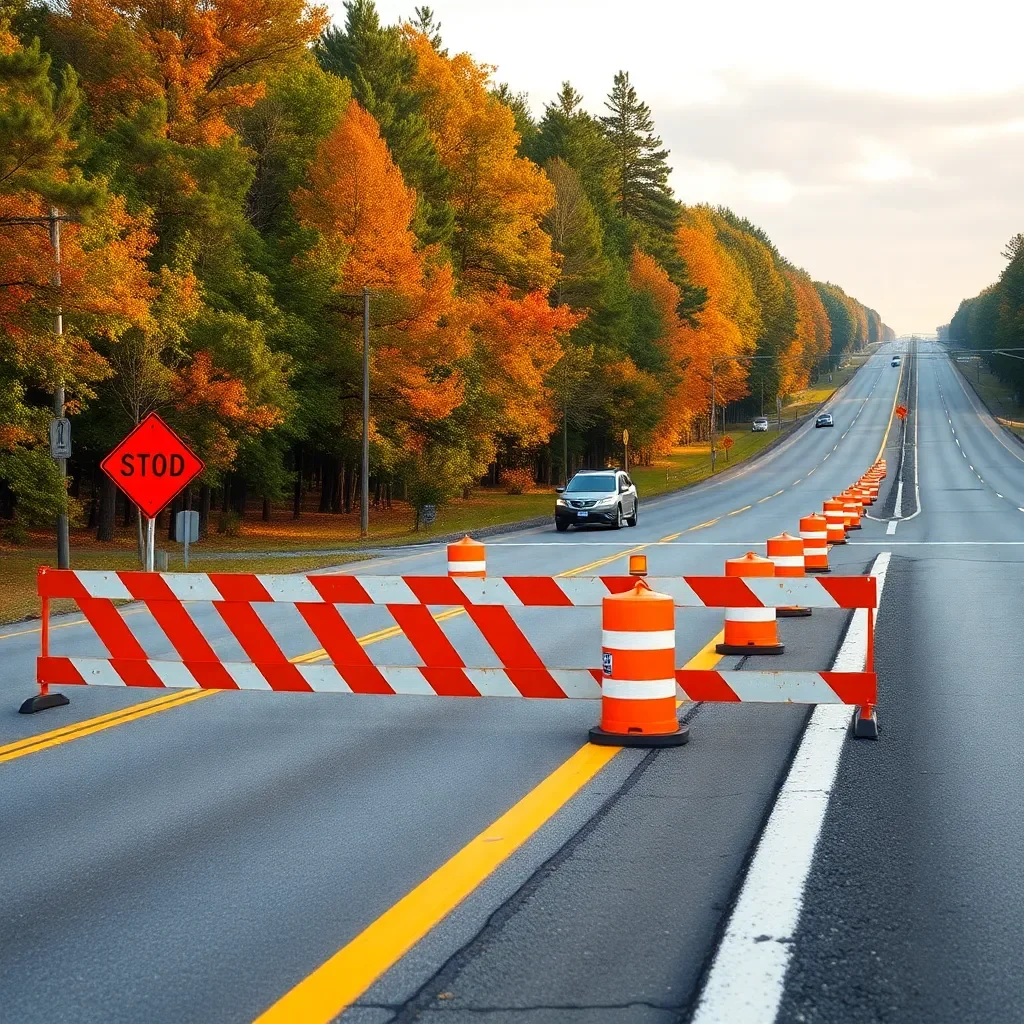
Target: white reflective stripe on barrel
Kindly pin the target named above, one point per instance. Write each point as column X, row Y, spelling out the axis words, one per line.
column 750, row 614
column 788, row 560
column 636, row 640
column 813, row 536
column 467, row 567
column 638, row 689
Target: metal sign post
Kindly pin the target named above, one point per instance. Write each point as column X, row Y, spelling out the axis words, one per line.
column 625, row 449
column 186, row 528
column 60, row 438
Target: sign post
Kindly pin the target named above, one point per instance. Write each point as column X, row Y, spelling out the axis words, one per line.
column 152, row 465
column 727, row 443
column 625, row 449
column 186, row 528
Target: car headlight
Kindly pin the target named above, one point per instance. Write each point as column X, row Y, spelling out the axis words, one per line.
column 561, row 501
column 606, row 502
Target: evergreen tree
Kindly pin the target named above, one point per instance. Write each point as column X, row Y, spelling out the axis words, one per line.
column 642, row 172
column 379, row 65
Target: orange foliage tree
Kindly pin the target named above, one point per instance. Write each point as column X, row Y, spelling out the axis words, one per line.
column 203, row 58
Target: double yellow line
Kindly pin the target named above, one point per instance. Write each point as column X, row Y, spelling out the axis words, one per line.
column 76, row 731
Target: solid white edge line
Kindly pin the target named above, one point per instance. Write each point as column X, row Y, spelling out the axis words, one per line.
column 748, row 973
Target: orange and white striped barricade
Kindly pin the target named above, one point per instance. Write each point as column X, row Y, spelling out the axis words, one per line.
column 638, row 685
column 787, row 554
column 178, row 603
column 814, row 534
column 835, row 520
column 750, row 630
column 467, row 558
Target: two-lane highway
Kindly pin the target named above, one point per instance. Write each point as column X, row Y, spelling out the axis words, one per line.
column 246, row 852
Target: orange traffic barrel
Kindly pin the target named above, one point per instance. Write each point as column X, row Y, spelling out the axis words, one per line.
column 880, row 468
column 852, row 509
column 787, row 554
column 638, row 662
column 466, row 558
column 750, row 630
column 870, row 482
column 814, row 534
column 835, row 519
column 864, row 493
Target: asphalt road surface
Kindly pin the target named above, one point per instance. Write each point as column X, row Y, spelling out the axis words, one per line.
column 220, row 857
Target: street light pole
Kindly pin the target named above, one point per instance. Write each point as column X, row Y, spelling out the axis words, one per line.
column 63, row 541
column 712, row 415
column 364, row 502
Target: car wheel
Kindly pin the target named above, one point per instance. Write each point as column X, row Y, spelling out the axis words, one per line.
column 632, row 520
column 561, row 526
column 617, row 525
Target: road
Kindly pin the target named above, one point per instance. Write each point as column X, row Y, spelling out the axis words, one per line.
column 235, row 854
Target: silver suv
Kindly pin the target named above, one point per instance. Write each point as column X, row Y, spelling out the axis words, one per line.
column 603, row 496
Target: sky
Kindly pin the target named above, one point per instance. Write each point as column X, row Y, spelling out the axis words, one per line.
column 880, row 145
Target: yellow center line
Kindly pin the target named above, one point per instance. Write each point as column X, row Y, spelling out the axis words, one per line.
column 700, row 526
column 62, row 625
column 32, row 744
column 892, row 413
column 342, row 979
column 737, row 511
column 670, row 537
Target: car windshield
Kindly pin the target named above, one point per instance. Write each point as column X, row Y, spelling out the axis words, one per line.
column 592, row 483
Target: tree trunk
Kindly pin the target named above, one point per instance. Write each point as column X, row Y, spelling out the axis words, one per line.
column 328, row 478
column 339, row 494
column 225, row 493
column 297, row 496
column 266, row 509
column 350, row 485
column 238, row 496
column 378, row 487
column 108, row 500
column 172, row 520
column 127, row 521
column 205, row 496
column 94, row 499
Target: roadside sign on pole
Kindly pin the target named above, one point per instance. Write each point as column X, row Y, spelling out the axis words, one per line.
column 727, row 442
column 152, row 465
column 625, row 437
column 186, row 529
column 60, row 438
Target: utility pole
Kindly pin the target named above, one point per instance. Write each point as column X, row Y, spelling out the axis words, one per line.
column 364, row 502
column 63, row 542
column 712, row 416
column 565, row 445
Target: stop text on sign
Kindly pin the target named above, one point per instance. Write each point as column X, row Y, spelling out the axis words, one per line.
column 152, row 465
column 155, row 465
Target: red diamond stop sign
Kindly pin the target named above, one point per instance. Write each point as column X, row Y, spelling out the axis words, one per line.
column 151, row 465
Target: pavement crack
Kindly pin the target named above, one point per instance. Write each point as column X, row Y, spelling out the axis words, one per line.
column 441, row 981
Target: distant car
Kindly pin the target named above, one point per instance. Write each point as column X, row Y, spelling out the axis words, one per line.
column 895, row 361
column 761, row 423
column 604, row 496
column 824, row 420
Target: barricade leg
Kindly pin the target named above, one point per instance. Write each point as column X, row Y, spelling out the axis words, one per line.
column 865, row 718
column 638, row 687
column 44, row 699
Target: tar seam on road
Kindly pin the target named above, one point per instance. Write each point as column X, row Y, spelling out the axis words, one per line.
column 339, row 981
column 747, row 974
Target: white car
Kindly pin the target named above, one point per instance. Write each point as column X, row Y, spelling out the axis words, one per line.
column 761, row 423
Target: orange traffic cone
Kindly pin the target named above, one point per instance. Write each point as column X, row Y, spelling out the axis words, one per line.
column 814, row 534
column 750, row 630
column 466, row 557
column 638, row 654
column 787, row 554
column 835, row 517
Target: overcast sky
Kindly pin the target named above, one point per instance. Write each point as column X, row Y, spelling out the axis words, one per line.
column 879, row 144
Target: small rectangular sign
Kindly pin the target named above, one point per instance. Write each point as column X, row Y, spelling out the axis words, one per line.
column 606, row 662
column 186, row 524
column 60, row 438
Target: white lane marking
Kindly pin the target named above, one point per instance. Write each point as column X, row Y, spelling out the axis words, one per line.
column 795, row 482
column 748, row 973
column 891, row 528
column 998, row 495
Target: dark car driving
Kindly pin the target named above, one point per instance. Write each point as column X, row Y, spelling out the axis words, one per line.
column 603, row 496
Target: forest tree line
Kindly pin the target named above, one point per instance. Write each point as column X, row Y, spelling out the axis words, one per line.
column 233, row 173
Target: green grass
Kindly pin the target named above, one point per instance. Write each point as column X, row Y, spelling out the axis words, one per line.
column 18, row 598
